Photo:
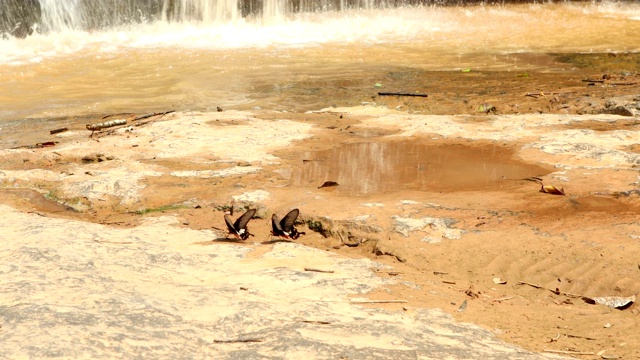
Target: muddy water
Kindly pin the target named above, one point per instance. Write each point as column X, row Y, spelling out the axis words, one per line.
column 375, row 167
column 35, row 200
column 296, row 63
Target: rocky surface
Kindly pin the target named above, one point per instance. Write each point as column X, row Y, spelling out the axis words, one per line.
column 114, row 244
column 80, row 290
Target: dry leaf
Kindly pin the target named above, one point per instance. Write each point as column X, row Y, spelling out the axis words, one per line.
column 463, row 306
column 497, row 280
column 615, row 302
column 328, row 184
column 471, row 293
column 550, row 189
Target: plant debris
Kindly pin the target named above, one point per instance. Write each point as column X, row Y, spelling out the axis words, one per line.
column 615, row 302
column 154, row 114
column 319, row 270
column 550, row 189
column 402, row 94
column 252, row 340
column 355, row 301
column 328, row 184
column 37, row 145
column 55, row 131
column 547, row 189
column 106, row 124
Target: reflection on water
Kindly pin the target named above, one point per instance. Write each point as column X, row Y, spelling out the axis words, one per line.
column 373, row 167
column 198, row 65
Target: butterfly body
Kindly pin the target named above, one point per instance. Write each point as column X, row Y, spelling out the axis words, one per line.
column 239, row 227
column 285, row 228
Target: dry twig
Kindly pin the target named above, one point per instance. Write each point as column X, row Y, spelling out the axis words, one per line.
column 568, row 352
column 378, row 301
column 504, row 298
column 318, row 270
column 55, row 131
column 579, row 337
column 250, row 340
column 556, row 291
column 402, row 94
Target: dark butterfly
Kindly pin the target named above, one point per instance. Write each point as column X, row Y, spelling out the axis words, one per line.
column 284, row 228
column 239, row 228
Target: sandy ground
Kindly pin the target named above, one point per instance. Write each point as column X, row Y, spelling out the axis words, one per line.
column 440, row 199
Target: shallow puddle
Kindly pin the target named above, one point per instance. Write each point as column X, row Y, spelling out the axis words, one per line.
column 36, row 200
column 375, row 167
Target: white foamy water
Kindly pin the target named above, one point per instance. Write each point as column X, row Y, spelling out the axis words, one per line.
column 185, row 64
column 514, row 28
column 300, row 30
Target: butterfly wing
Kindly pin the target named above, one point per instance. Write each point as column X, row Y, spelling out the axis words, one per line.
column 276, row 230
column 241, row 224
column 230, row 225
column 243, row 220
column 286, row 224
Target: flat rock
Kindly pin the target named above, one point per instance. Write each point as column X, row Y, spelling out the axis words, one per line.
column 78, row 290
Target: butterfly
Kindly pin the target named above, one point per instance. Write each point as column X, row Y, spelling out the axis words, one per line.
column 284, row 228
column 239, row 228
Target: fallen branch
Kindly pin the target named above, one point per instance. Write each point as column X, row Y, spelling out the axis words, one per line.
column 593, row 80
column 402, row 94
column 449, row 282
column 106, row 124
column 319, row 270
column 504, row 298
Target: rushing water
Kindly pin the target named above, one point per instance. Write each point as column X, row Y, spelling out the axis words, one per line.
column 156, row 63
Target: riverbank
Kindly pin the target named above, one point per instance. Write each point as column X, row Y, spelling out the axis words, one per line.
column 460, row 231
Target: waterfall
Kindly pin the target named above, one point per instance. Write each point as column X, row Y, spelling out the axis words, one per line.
column 201, row 10
column 20, row 18
column 60, row 14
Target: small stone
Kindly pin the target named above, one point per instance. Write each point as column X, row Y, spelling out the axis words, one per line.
column 609, row 356
column 463, row 306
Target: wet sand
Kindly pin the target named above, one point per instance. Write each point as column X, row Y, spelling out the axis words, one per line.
column 433, row 187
